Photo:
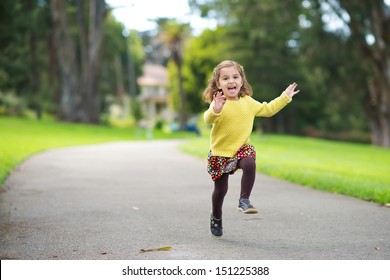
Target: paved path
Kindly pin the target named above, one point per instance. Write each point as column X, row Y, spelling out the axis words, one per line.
column 109, row 201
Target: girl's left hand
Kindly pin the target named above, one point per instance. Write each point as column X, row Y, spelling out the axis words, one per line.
column 290, row 90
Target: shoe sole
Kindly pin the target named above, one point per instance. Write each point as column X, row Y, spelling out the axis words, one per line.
column 216, row 236
column 249, row 211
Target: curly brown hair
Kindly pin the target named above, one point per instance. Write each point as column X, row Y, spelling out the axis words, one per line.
column 212, row 88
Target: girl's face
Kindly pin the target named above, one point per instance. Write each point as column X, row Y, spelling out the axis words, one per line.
column 230, row 81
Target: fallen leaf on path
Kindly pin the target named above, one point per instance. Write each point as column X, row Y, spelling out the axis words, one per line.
column 166, row 248
column 387, row 204
column 377, row 248
column 135, row 208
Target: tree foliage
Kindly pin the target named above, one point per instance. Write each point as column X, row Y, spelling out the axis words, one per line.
column 258, row 35
column 336, row 50
column 55, row 57
column 174, row 35
column 24, row 36
column 342, row 69
column 202, row 54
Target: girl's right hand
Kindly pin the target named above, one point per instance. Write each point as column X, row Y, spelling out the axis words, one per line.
column 219, row 101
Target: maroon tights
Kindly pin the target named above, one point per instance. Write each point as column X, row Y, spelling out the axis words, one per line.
column 248, row 166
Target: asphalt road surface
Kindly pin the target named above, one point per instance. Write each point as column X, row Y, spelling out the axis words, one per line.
column 111, row 201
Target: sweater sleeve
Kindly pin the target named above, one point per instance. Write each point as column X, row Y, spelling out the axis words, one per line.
column 266, row 109
column 209, row 116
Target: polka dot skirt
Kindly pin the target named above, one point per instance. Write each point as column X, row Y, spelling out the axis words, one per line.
column 217, row 166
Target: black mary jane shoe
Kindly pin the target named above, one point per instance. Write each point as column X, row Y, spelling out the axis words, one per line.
column 216, row 226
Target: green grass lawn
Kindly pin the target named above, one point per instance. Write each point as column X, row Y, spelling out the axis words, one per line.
column 357, row 170
column 20, row 138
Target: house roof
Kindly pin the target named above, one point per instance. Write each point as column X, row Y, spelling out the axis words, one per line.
column 154, row 75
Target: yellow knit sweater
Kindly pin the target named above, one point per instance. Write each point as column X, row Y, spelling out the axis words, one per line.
column 232, row 127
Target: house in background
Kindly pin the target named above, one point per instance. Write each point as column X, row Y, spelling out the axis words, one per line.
column 153, row 98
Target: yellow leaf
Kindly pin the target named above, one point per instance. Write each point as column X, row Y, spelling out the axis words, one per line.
column 166, row 248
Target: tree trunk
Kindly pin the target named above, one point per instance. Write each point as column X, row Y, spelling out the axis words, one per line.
column 379, row 86
column 182, row 111
column 381, row 27
column 79, row 96
column 178, row 59
column 91, row 60
column 370, row 17
column 53, row 68
column 66, row 54
column 35, row 100
column 377, row 110
column 34, row 76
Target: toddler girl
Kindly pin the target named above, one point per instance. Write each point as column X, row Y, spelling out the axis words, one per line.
column 231, row 113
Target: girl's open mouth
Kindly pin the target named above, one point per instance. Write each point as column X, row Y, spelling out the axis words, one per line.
column 232, row 88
